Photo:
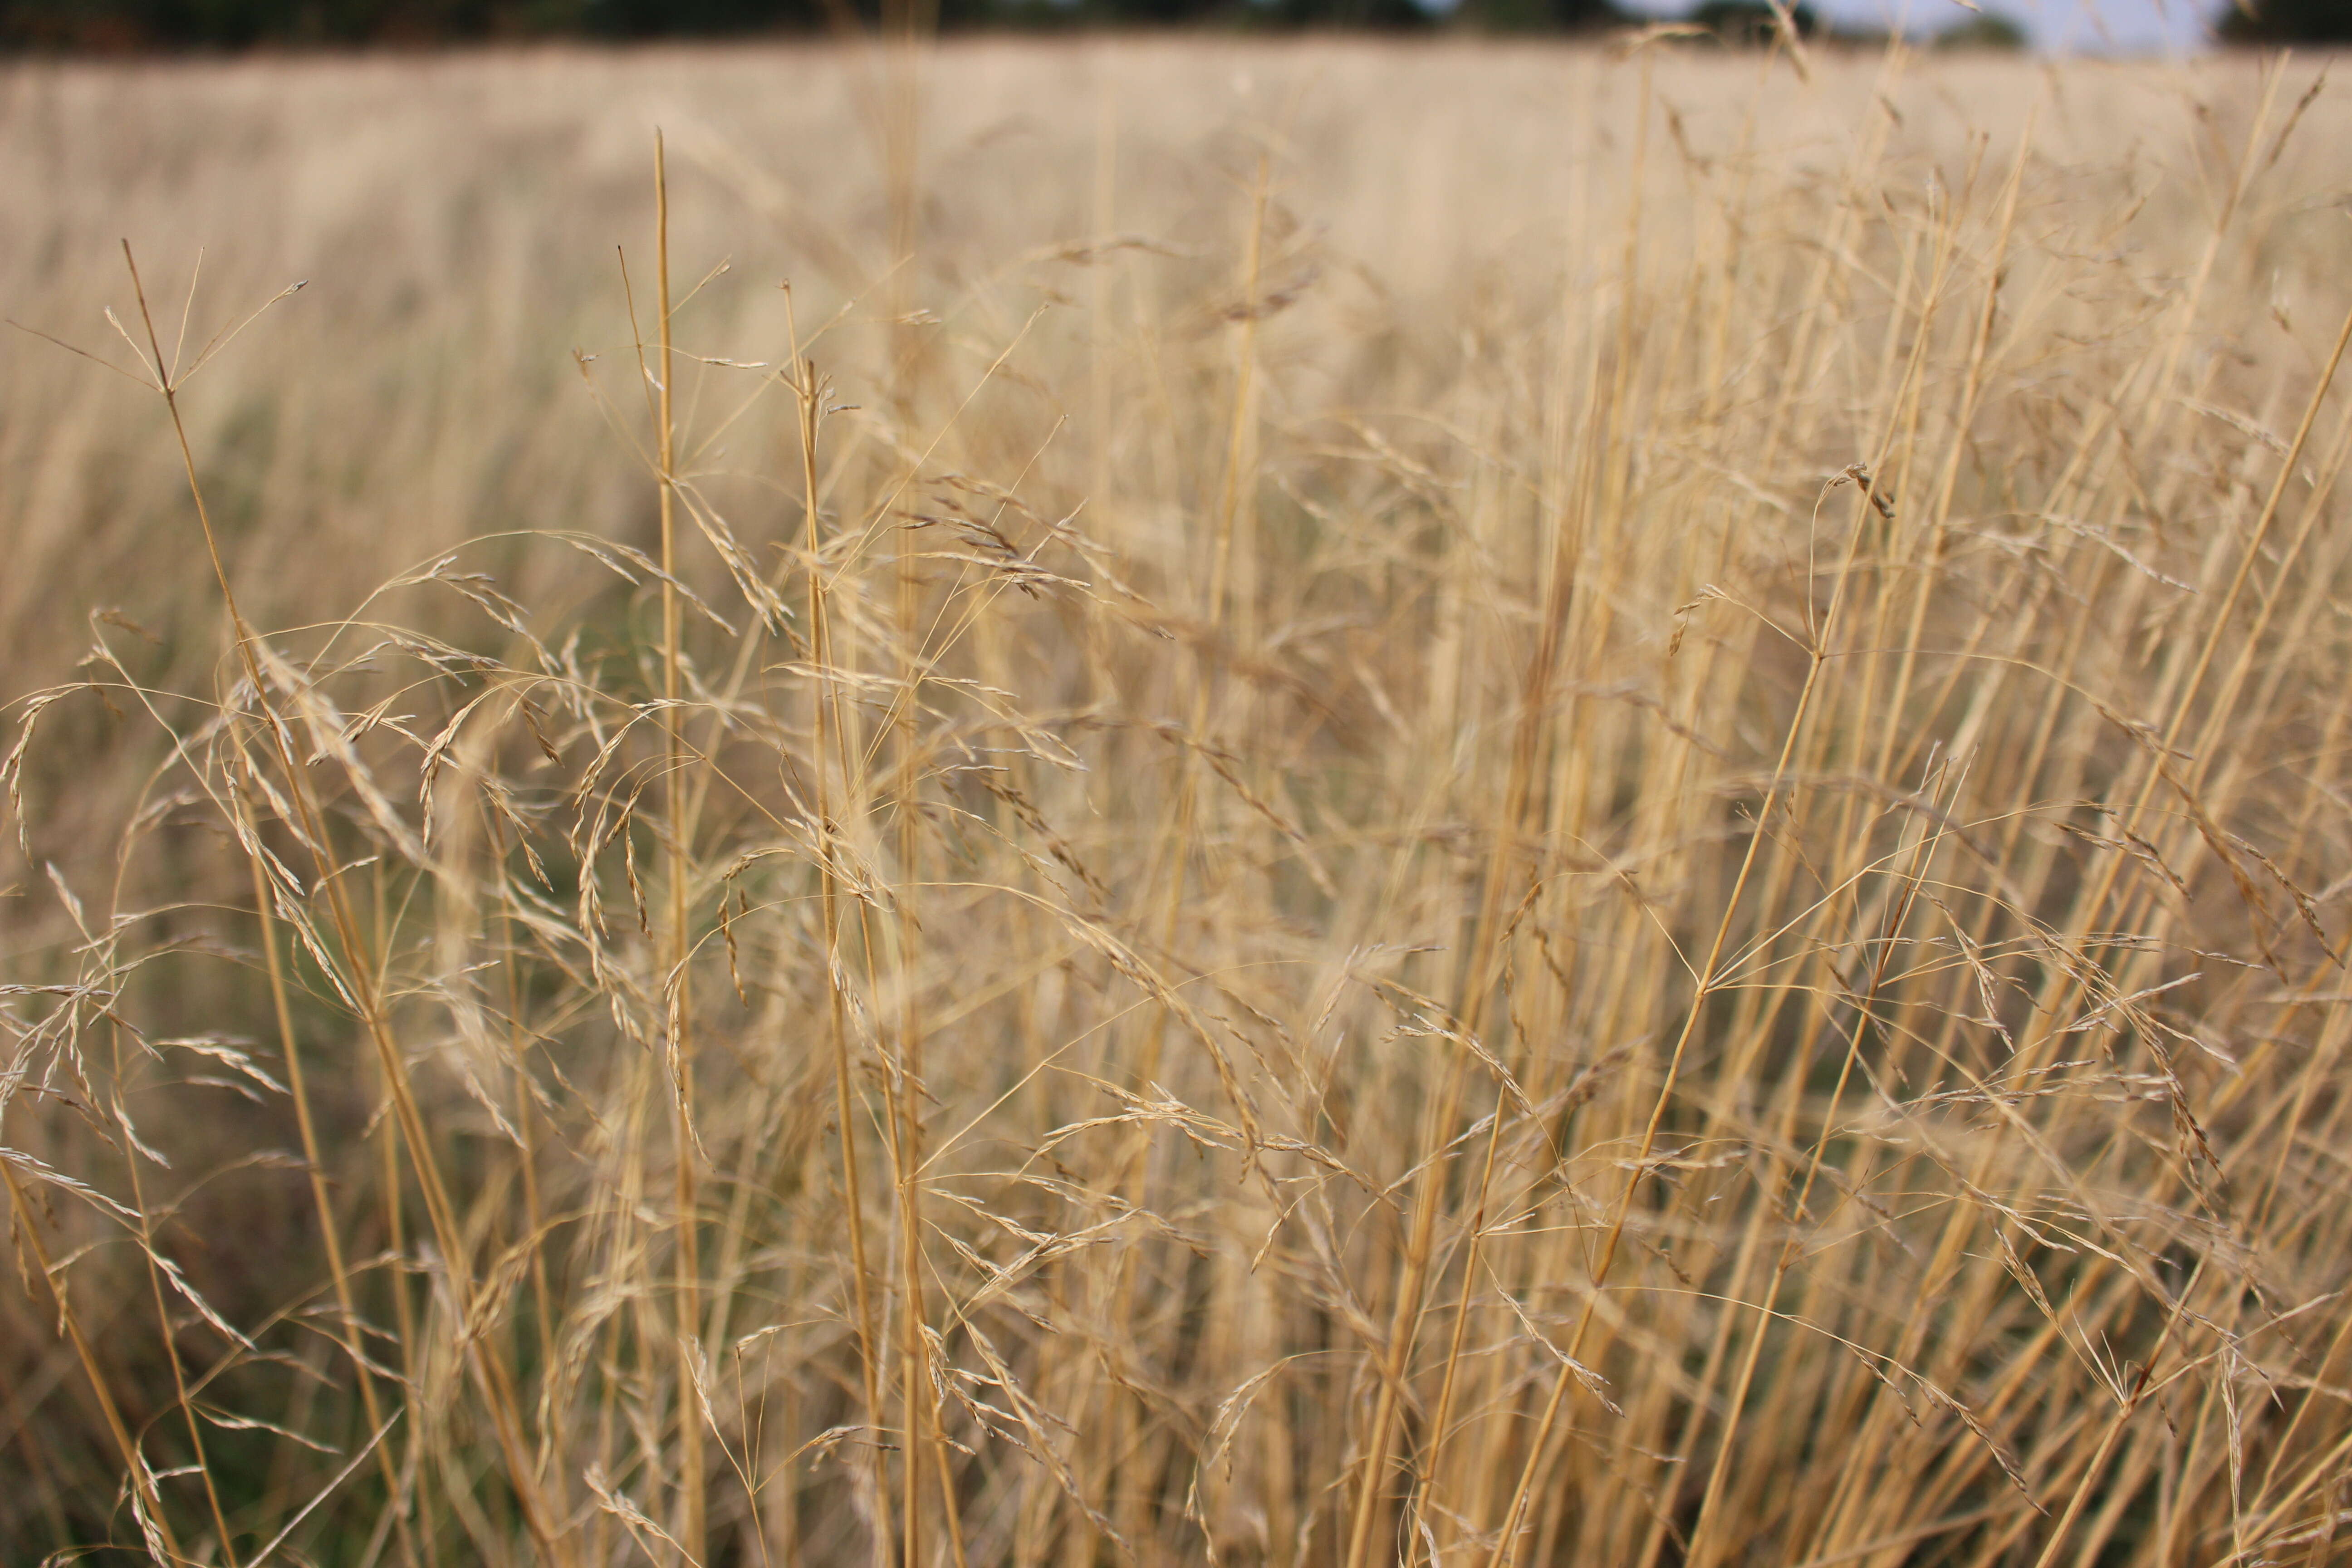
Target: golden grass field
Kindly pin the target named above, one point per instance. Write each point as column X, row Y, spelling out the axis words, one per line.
column 1440, row 804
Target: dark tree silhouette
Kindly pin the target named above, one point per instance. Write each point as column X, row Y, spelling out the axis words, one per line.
column 1984, row 31
column 1537, row 15
column 137, row 24
column 2289, row 22
column 241, row 24
column 1751, row 21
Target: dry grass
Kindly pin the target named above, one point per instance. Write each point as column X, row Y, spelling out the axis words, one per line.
column 1503, row 807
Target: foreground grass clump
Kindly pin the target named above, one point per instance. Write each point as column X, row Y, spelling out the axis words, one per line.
column 1481, row 807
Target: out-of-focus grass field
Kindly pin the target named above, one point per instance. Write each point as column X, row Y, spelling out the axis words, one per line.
column 1463, row 803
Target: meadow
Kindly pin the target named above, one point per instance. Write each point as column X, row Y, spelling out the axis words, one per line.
column 1176, row 800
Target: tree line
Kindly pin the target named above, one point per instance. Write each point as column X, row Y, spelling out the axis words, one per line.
column 129, row 26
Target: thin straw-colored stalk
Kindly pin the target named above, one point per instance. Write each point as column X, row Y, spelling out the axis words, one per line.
column 367, row 982
column 142, row 1479
column 830, row 749
column 904, row 27
column 677, row 994
column 168, row 1332
column 1708, row 973
column 330, row 1231
column 1504, row 870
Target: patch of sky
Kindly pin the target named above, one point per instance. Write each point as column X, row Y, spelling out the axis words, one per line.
column 2118, row 28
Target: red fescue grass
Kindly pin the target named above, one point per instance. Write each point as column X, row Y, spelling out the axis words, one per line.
column 1338, row 805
